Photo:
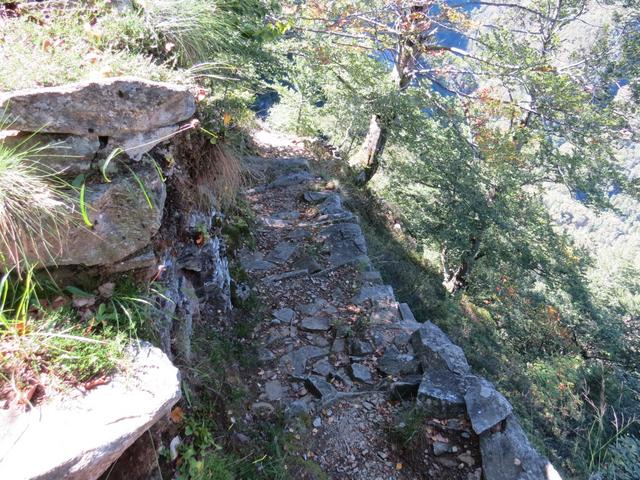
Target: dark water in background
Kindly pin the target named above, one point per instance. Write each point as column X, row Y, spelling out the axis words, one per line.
column 446, row 37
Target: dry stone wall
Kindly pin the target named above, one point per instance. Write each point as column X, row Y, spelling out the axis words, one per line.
column 139, row 225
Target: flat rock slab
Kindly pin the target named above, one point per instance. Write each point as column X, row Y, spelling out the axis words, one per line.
column 322, row 368
column 320, row 387
column 436, row 350
column 344, row 242
column 114, row 106
column 360, row 348
column 285, row 315
column 376, row 293
column 297, row 360
column 508, row 455
column 60, row 154
column 395, row 363
column 331, row 205
column 291, row 179
column 274, row 390
column 360, row 373
column 254, row 262
column 486, row 406
column 282, row 252
column 315, row 324
column 79, row 437
column 316, row 197
column 406, row 313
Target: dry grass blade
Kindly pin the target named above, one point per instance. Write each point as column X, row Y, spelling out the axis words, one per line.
column 32, row 209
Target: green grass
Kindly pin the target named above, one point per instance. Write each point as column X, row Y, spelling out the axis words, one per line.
column 32, row 208
column 76, row 42
column 67, row 337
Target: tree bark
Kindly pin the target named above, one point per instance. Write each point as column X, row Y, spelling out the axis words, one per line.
column 373, row 147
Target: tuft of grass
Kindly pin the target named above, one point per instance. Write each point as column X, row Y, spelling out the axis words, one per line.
column 200, row 30
column 45, row 339
column 37, row 341
column 214, row 175
column 32, row 208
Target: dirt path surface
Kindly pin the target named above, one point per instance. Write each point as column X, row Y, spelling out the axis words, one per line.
column 335, row 352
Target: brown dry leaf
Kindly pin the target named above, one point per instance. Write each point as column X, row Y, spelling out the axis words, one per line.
column 398, row 466
column 96, row 382
column 92, row 57
column 201, row 95
column 177, row 415
column 26, row 396
column 437, row 437
column 199, row 240
column 47, row 44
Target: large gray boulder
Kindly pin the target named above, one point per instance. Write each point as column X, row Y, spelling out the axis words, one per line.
column 435, row 350
column 486, row 406
column 78, row 436
column 441, row 393
column 113, row 106
column 508, row 455
column 123, row 222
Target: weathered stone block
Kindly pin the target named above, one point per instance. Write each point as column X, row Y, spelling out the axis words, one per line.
column 435, row 350
column 508, row 455
column 97, row 426
column 113, row 106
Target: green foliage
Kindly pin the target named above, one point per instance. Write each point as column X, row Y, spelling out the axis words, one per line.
column 624, row 459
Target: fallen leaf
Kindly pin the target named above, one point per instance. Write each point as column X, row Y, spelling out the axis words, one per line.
column 26, row 396
column 96, row 382
column 199, row 240
column 226, row 119
column 398, row 466
column 201, row 95
column 59, row 302
column 92, row 57
column 176, row 415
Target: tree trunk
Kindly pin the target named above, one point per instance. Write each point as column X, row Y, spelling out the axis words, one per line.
column 373, row 147
column 458, row 279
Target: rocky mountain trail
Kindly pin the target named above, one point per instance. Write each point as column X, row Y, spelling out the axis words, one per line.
column 335, row 348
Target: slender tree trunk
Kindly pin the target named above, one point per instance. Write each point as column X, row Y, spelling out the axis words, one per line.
column 373, row 147
column 458, row 279
column 407, row 56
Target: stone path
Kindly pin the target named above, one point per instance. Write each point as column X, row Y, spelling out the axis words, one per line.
column 336, row 348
